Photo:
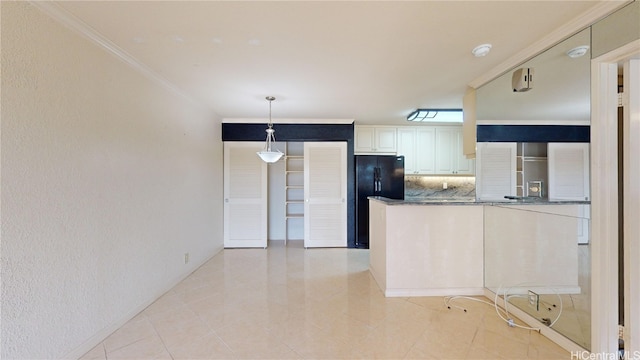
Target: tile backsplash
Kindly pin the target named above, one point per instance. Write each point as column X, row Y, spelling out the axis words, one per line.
column 432, row 186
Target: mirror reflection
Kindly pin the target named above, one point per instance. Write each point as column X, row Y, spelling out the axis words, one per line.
column 537, row 257
column 560, row 91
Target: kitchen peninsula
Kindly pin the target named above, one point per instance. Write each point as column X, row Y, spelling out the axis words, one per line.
column 436, row 247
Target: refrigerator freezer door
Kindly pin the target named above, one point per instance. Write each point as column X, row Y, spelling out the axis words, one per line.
column 365, row 187
column 375, row 176
column 391, row 180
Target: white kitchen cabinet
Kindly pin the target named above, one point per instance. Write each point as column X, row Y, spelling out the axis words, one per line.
column 325, row 193
column 450, row 159
column 417, row 144
column 496, row 170
column 464, row 166
column 245, row 195
column 375, row 140
column 568, row 171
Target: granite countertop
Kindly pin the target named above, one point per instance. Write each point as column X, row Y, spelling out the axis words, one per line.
column 473, row 201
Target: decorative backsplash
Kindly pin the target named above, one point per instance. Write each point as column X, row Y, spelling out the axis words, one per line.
column 432, row 186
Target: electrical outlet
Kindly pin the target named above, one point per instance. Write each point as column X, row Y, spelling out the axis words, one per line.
column 444, row 185
column 534, row 300
column 621, row 332
column 186, row 258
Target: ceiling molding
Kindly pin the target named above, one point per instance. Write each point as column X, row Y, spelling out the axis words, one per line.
column 286, row 121
column 534, row 122
column 69, row 20
column 581, row 22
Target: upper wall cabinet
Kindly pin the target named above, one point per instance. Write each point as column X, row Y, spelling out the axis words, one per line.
column 375, row 140
column 559, row 93
column 450, row 159
column 418, row 145
column 433, row 150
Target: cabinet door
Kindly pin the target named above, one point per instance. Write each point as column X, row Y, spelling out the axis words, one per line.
column 374, row 139
column 568, row 171
column 245, row 195
column 407, row 147
column 496, row 170
column 463, row 166
column 425, row 150
column 364, row 139
column 385, row 140
column 445, row 141
column 325, row 188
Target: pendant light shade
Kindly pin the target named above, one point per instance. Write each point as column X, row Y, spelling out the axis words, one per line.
column 270, row 153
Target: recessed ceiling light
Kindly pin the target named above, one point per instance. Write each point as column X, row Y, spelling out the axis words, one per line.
column 216, row 41
column 481, row 50
column 577, row 52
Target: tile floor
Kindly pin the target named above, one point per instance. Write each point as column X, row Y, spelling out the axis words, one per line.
column 292, row 303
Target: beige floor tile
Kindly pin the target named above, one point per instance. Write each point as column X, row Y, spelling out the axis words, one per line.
column 206, row 347
column 434, row 344
column 250, row 341
column 292, row 303
column 136, row 329
column 500, row 345
column 147, row 348
column 97, row 353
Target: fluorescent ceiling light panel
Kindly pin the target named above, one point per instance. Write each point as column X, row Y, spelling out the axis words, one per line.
column 436, row 115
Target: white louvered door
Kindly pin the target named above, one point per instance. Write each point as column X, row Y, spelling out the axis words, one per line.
column 325, row 192
column 245, row 196
column 496, row 170
column 568, row 171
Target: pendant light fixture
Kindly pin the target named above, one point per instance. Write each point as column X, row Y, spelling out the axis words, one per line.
column 268, row 154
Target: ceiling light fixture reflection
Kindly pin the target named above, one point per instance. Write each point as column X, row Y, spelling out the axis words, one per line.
column 577, row 52
column 270, row 153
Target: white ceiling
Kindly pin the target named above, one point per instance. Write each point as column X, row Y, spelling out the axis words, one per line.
column 372, row 61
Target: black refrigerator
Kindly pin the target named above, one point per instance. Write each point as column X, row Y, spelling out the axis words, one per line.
column 376, row 175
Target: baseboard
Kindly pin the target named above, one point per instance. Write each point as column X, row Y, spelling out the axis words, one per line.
column 101, row 335
column 542, row 290
column 471, row 291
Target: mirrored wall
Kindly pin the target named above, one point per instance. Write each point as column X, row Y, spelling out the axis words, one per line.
column 537, row 257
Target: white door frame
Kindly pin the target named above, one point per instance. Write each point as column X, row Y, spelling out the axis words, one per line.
column 604, row 201
column 631, row 103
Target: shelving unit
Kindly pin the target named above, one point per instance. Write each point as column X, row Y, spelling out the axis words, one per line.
column 294, row 191
column 531, row 165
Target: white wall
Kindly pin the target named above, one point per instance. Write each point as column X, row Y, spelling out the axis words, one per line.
column 108, row 178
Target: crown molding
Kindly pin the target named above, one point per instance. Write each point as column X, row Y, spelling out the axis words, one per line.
column 66, row 18
column 286, row 121
column 577, row 24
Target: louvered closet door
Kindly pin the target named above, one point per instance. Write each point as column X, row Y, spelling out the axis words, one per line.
column 245, row 196
column 568, row 171
column 325, row 192
column 496, row 177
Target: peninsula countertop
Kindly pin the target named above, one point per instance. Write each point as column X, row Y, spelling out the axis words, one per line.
column 473, row 201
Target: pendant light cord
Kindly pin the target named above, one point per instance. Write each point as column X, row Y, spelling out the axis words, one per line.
column 270, row 99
